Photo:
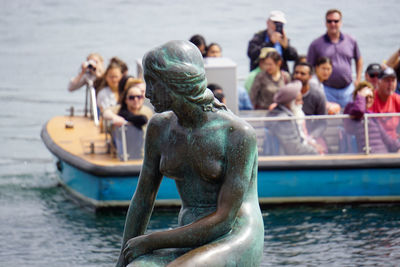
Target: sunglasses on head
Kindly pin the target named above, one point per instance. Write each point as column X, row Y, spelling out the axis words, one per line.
column 373, row 75
column 332, row 20
column 132, row 97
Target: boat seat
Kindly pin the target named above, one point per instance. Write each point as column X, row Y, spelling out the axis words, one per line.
column 134, row 142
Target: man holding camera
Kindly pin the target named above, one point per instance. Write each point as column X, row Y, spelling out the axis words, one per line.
column 274, row 36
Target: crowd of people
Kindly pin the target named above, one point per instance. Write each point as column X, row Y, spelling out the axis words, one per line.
column 327, row 86
column 323, row 77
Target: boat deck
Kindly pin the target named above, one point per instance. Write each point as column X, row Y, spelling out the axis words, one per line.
column 84, row 140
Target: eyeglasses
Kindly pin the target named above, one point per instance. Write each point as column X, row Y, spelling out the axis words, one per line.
column 329, row 21
column 132, row 97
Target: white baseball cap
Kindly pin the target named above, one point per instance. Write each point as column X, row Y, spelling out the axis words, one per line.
column 277, row 16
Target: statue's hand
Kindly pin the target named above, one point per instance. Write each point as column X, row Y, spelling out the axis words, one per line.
column 135, row 247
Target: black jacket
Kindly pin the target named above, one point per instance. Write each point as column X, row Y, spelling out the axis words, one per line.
column 258, row 42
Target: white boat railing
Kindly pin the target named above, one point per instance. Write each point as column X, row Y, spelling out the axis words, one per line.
column 124, row 148
column 261, row 125
column 91, row 103
column 262, row 122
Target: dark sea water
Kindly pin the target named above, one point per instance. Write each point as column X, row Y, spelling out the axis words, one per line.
column 42, row 43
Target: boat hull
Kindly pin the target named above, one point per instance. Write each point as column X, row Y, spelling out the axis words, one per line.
column 101, row 181
column 102, row 192
column 329, row 185
column 274, row 187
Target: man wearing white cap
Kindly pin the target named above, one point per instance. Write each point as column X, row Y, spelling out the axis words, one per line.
column 290, row 134
column 274, row 36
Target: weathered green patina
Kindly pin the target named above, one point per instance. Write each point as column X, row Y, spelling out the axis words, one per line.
column 212, row 156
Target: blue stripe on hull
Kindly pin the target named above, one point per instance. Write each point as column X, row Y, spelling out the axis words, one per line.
column 110, row 188
column 284, row 184
column 329, row 183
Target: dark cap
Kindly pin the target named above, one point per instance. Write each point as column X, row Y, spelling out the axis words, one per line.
column 388, row 72
column 374, row 68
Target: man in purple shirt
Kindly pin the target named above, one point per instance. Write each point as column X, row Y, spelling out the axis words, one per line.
column 341, row 49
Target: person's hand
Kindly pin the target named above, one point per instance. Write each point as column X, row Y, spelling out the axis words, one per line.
column 84, row 67
column 272, row 106
column 275, row 37
column 136, row 247
column 320, row 149
column 118, row 121
column 284, row 40
column 364, row 92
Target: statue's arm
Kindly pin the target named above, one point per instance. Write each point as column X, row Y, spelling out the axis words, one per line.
column 240, row 158
column 143, row 200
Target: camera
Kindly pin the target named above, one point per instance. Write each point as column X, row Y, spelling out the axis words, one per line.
column 279, row 27
column 91, row 65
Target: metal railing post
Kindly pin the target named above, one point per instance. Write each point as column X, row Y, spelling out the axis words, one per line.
column 123, row 137
column 366, row 134
column 94, row 106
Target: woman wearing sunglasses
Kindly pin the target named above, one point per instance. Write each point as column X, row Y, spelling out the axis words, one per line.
column 131, row 110
column 379, row 140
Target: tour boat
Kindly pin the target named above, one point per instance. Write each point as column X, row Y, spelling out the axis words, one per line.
column 103, row 172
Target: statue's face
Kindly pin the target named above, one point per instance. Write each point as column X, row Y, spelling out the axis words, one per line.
column 158, row 94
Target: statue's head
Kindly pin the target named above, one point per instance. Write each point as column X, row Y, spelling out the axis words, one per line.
column 176, row 67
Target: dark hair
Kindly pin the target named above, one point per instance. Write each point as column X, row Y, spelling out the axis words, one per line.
column 306, row 64
column 121, row 63
column 124, row 95
column 323, row 60
column 122, row 82
column 274, row 56
column 198, row 40
column 214, row 86
column 125, row 83
column 333, row 10
column 301, row 58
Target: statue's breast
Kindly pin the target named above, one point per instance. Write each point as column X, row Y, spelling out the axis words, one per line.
column 194, row 155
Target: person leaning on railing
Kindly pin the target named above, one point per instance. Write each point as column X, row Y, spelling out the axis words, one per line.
column 131, row 109
column 379, row 140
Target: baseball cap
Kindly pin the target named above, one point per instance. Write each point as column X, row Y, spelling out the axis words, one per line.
column 388, row 72
column 374, row 68
column 277, row 16
column 265, row 50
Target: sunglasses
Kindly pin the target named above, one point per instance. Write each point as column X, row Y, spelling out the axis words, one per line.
column 329, row 21
column 369, row 97
column 373, row 75
column 132, row 97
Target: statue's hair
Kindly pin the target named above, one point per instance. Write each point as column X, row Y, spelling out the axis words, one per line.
column 179, row 65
